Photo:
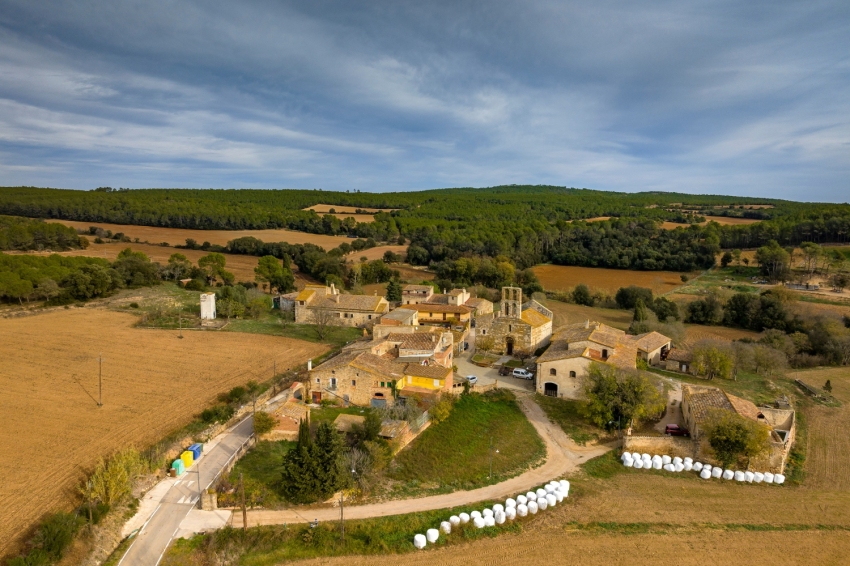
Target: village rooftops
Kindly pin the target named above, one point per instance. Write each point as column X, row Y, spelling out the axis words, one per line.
column 650, row 341
column 415, row 340
column 399, row 314
column 535, row 318
column 366, row 303
column 415, row 288
column 592, row 332
column 434, row 308
column 431, row 372
column 560, row 350
column 702, row 400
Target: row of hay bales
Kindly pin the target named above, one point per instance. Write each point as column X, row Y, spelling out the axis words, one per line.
column 186, row 459
column 541, row 499
column 705, row 471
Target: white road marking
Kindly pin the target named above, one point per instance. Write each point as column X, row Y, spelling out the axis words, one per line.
column 182, row 499
column 148, row 521
column 189, row 483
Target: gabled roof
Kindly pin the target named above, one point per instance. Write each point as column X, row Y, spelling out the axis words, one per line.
column 535, row 318
column 678, row 355
column 592, row 332
column 377, row 364
column 370, row 303
column 414, row 288
column 429, row 307
column 305, row 295
column 431, row 372
column 414, row 340
column 399, row 314
column 650, row 341
column 701, row 400
column 560, row 350
column 624, row 356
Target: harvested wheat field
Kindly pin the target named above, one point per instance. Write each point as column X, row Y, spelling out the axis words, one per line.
column 178, row 236
column 564, row 277
column 376, row 253
column 696, row 332
column 242, row 266
column 828, row 458
column 722, row 220
column 343, row 212
column 568, row 313
column 153, row 383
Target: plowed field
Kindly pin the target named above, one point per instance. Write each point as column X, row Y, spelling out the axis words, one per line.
column 562, row 277
column 178, row 236
column 153, row 383
column 828, row 459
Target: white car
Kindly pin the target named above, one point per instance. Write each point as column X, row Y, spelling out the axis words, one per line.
column 472, row 379
column 523, row 374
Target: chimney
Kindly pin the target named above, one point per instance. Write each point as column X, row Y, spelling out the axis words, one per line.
column 336, row 297
column 587, row 323
column 309, row 365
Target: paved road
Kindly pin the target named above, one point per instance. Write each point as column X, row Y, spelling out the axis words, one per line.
column 155, row 536
column 562, row 456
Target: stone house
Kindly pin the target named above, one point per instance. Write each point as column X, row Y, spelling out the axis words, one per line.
column 424, row 294
column 345, row 310
column 652, row 347
column 698, row 402
column 563, row 367
column 679, row 360
column 516, row 325
column 401, row 317
column 415, row 294
column 430, row 313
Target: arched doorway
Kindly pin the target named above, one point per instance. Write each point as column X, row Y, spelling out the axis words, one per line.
column 509, row 345
column 550, row 389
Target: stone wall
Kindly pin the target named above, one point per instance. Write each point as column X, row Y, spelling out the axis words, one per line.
column 670, row 445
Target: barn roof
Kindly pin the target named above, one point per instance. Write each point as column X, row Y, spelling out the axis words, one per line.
column 650, row 341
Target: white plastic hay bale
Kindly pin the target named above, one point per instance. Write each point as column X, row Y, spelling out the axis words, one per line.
column 778, row 479
column 464, row 518
column 688, row 459
column 749, row 476
column 475, row 514
column 678, row 467
column 498, row 508
column 489, row 521
column 542, row 503
column 669, row 468
column 625, row 455
column 487, row 513
column 656, row 465
column 698, row 467
column 758, row 477
column 677, row 460
column 521, row 500
column 768, row 477
column 549, row 488
column 740, row 476
column 716, row 472
column 533, row 507
column 658, row 458
column 638, row 464
column 478, row 522
column 510, row 513
column 521, row 510
column 531, row 496
column 500, row 518
column 705, row 474
column 541, row 493
column 628, row 463
column 559, row 495
column 708, row 467
column 551, row 500
column 446, row 527
column 432, row 535
column 687, row 466
column 565, row 487
column 455, row 520
column 645, row 456
column 419, row 541
column 728, row 475
column 510, row 502
column 665, row 460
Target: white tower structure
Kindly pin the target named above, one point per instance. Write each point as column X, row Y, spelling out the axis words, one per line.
column 208, row 306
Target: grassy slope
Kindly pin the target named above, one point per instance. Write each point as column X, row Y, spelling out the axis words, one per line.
column 567, row 413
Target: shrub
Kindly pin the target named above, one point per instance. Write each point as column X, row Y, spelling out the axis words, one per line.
column 263, row 423
column 217, row 414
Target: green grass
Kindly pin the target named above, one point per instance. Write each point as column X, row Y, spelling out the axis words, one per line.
column 329, row 414
column 513, row 364
column 272, row 545
column 484, row 359
column 260, row 469
column 270, row 324
column 603, row 467
column 567, row 413
column 455, row 454
column 756, row 388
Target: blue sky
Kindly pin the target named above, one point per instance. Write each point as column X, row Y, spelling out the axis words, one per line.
column 726, row 97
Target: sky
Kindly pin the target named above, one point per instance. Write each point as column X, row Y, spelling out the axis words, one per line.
column 723, row 97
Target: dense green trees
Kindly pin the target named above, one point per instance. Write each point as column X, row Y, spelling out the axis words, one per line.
column 312, row 471
column 619, row 396
column 732, row 436
column 275, row 273
column 27, row 234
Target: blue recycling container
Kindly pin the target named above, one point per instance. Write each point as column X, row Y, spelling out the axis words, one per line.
column 196, row 450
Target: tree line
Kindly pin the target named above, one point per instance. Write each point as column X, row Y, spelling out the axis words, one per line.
column 25, row 234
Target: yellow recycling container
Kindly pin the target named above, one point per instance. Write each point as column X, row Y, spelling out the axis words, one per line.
column 187, row 457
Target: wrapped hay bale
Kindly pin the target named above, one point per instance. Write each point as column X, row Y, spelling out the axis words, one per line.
column 432, row 535
column 688, row 459
column 638, row 464
column 728, row 474
column 464, row 518
column 626, row 455
column 698, row 467
column 531, row 496
column 510, row 502
column 446, row 527
column 768, row 477
column 778, row 479
column 749, row 476
column 665, row 460
column 565, row 487
column 656, row 465
column 475, row 514
column 542, row 503
column 419, row 541
column 677, row 460
column 551, row 500
column 645, row 456
column 559, row 495
column 716, row 472
column 487, row 513
column 705, row 474
column 510, row 513
column 521, row 510
column 498, row 508
column 500, row 518
column 455, row 520
column 533, row 507
column 678, row 467
column 478, row 522
column 739, row 476
column 628, row 463
column 489, row 521
column 540, row 493
column 521, row 500
column 687, row 466
column 669, row 468
column 758, row 477
column 657, row 458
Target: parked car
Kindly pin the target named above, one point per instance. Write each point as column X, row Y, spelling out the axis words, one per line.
column 505, row 370
column 520, row 373
column 675, row 430
column 472, row 379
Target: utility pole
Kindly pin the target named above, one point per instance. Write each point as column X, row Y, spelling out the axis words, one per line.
column 244, row 511
column 180, row 318
column 100, row 380
column 342, row 516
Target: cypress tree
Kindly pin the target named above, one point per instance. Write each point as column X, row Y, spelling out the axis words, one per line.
column 640, row 311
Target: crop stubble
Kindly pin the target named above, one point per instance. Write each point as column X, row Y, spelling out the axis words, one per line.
column 562, row 277
column 153, row 384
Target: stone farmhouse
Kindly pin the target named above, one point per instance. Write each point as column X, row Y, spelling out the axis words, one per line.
column 679, row 360
column 563, row 367
column 345, row 310
column 398, row 361
column 516, row 325
column 698, row 402
column 424, row 294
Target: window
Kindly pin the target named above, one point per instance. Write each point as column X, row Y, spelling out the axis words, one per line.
column 370, row 317
column 510, row 328
column 353, row 382
column 437, row 384
column 483, row 333
column 553, row 371
column 318, row 380
column 382, row 384
column 572, row 374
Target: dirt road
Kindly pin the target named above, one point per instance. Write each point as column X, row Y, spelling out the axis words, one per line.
column 562, row 456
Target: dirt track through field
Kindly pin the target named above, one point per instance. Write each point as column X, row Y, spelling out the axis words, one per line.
column 562, row 456
column 153, row 383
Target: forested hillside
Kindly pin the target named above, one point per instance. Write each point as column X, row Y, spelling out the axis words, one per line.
column 26, row 234
column 528, row 224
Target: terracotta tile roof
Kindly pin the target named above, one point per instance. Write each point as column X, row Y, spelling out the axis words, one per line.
column 743, row 407
column 438, row 299
column 702, row 400
column 379, row 365
column 456, row 292
column 678, row 355
column 476, row 301
column 342, row 359
column 399, row 314
column 409, row 288
column 535, row 318
column 429, row 308
column 624, row 356
column 650, row 341
column 592, row 332
column 433, row 372
column 370, row 303
column 415, row 341
column 560, row 350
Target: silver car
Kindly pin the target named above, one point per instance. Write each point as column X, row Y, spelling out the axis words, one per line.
column 520, row 373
